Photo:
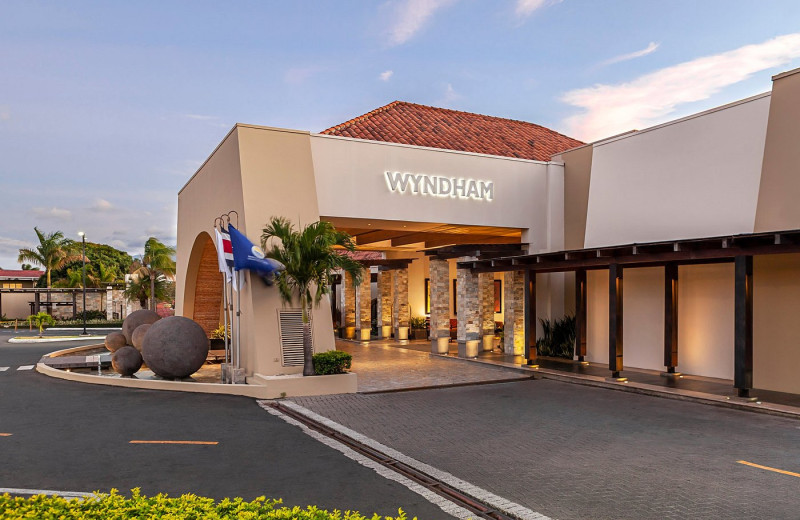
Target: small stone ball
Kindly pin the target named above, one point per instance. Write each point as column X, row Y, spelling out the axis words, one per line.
column 126, row 361
column 135, row 319
column 137, row 338
column 175, row 347
column 115, row 341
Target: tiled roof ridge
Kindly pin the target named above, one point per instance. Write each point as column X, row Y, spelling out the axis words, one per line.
column 395, row 103
column 362, row 117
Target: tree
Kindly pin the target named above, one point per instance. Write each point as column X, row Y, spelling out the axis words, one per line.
column 139, row 289
column 310, row 258
column 53, row 252
column 40, row 320
column 28, row 267
column 156, row 263
column 114, row 263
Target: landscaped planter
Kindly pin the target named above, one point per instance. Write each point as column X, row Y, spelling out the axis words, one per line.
column 420, row 333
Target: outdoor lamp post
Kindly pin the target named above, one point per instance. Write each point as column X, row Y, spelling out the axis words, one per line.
column 83, row 242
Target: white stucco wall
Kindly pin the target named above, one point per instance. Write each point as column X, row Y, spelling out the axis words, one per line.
column 695, row 177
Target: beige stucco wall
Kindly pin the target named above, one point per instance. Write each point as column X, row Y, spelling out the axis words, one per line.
column 259, row 172
column 776, row 329
column 780, row 183
column 15, row 305
column 694, row 177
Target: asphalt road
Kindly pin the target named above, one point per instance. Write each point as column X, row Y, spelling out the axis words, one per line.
column 76, row 437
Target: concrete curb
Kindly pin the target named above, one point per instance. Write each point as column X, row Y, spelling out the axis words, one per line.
column 45, row 339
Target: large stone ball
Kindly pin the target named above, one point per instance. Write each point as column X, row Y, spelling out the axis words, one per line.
column 126, row 361
column 115, row 341
column 175, row 347
column 135, row 319
column 137, row 338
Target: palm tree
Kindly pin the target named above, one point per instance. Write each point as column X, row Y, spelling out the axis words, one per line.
column 53, row 252
column 156, row 263
column 309, row 258
column 28, row 267
column 140, row 289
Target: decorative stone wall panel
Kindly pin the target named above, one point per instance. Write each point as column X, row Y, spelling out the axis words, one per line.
column 440, row 298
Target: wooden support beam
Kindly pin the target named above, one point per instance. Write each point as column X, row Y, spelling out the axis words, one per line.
column 580, row 314
column 671, row 317
column 530, row 317
column 378, row 236
column 743, row 325
column 615, row 319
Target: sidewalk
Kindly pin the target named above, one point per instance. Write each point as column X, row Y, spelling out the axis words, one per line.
column 718, row 392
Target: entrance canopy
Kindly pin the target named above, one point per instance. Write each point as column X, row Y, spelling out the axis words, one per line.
column 684, row 252
column 382, row 235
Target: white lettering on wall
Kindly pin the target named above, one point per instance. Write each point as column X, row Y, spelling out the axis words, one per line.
column 452, row 187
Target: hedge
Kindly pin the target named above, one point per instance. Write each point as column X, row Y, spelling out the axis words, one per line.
column 331, row 362
column 115, row 506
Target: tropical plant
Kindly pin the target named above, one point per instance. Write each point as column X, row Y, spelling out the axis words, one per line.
column 417, row 323
column 53, row 252
column 28, row 267
column 40, row 320
column 139, row 288
column 220, row 333
column 332, row 362
column 104, row 265
column 309, row 257
column 157, row 262
column 558, row 338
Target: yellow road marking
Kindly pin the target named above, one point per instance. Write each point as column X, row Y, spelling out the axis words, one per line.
column 6, row 434
column 776, row 470
column 174, row 442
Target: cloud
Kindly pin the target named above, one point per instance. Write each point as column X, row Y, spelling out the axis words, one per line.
column 200, row 117
column 5, row 113
column 102, row 205
column 651, row 48
column 52, row 213
column 11, row 246
column 450, row 96
column 298, row 75
column 526, row 8
column 648, row 99
column 385, row 75
column 411, row 16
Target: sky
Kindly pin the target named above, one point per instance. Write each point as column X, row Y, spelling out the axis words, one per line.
column 107, row 108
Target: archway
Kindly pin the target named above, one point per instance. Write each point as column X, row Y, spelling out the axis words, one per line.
column 203, row 294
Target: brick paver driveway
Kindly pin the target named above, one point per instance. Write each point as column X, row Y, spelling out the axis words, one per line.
column 571, row 451
column 380, row 367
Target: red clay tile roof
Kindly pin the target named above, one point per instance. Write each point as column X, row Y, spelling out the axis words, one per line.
column 11, row 274
column 421, row 125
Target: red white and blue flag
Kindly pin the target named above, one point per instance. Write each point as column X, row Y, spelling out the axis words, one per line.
column 225, row 255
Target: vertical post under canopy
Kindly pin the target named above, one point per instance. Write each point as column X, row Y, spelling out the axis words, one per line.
column 580, row 314
column 671, row 317
column 530, row 317
column 615, row 319
column 743, row 326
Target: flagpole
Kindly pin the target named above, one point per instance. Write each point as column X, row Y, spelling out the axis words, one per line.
column 238, row 319
column 225, row 313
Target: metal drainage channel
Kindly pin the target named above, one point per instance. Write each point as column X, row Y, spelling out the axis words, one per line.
column 435, row 485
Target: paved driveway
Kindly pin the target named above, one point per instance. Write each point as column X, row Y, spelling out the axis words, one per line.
column 570, row 451
column 381, row 367
column 76, row 437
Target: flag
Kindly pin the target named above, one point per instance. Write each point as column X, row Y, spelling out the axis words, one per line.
column 225, row 255
column 247, row 255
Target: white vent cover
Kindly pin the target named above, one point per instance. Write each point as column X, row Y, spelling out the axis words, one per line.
column 291, row 331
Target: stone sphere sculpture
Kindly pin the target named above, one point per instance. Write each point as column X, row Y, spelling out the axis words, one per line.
column 135, row 319
column 137, row 338
column 115, row 341
column 126, row 361
column 175, row 347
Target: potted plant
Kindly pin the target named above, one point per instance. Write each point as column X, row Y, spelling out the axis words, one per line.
column 418, row 327
column 217, row 338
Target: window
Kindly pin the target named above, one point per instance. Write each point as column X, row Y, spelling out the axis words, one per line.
column 12, row 285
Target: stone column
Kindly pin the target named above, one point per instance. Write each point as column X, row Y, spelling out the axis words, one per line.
column 109, row 302
column 401, row 312
column 486, row 290
column 514, row 316
column 440, row 305
column 469, row 312
column 385, row 304
column 364, row 304
column 348, row 306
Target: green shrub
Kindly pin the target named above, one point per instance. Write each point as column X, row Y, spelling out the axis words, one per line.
column 558, row 339
column 114, row 506
column 417, row 323
column 90, row 315
column 331, row 362
column 97, row 324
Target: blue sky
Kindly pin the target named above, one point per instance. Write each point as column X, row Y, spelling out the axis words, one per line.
column 107, row 108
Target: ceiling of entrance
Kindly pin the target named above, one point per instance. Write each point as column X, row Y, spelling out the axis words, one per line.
column 412, row 236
